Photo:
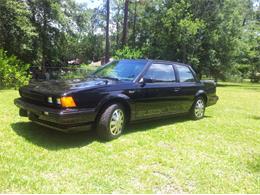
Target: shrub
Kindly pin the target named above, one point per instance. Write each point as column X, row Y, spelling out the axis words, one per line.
column 13, row 72
column 128, row 53
column 74, row 73
column 255, row 77
column 233, row 75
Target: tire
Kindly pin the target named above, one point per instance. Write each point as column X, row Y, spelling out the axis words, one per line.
column 111, row 122
column 198, row 108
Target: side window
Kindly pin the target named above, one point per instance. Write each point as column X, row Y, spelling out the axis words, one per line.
column 185, row 74
column 160, row 73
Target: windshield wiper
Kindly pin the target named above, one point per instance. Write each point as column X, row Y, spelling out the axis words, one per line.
column 111, row 78
column 103, row 77
column 92, row 76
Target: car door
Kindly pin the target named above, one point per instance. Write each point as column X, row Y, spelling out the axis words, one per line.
column 158, row 89
column 188, row 86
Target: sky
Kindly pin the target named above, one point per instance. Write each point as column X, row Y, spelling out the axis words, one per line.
column 91, row 3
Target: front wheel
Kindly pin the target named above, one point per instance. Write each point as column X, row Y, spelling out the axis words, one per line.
column 198, row 109
column 111, row 122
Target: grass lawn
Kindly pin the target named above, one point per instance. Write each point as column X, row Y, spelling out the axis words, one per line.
column 219, row 154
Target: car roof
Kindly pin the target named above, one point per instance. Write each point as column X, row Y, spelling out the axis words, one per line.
column 169, row 62
column 156, row 61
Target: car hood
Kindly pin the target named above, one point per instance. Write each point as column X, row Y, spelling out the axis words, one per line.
column 61, row 87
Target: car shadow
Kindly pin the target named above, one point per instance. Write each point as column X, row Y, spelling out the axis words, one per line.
column 157, row 122
column 55, row 140
column 51, row 139
column 256, row 117
column 228, row 85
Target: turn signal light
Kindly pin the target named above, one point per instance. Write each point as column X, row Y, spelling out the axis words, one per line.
column 67, row 102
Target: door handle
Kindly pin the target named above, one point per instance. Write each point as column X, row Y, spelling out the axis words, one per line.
column 176, row 89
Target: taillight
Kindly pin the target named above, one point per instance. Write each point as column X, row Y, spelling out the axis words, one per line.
column 67, row 102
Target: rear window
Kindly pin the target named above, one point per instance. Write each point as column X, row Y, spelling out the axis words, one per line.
column 185, row 74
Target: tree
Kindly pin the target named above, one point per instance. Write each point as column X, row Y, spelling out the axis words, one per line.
column 16, row 30
column 247, row 57
column 117, row 21
column 218, row 38
column 107, row 31
column 201, row 33
column 125, row 27
column 48, row 18
column 61, row 25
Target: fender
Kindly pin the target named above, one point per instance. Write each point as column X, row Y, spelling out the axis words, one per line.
column 116, row 96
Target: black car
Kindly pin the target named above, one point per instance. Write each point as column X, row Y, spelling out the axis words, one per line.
column 120, row 92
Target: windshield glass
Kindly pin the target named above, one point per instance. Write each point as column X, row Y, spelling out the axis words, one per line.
column 121, row 70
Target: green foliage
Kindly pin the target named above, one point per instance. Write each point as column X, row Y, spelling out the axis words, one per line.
column 255, row 77
column 16, row 30
column 13, row 72
column 233, row 75
column 248, row 50
column 215, row 37
column 128, row 53
column 205, row 35
column 76, row 73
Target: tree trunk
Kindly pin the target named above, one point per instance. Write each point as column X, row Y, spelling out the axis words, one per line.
column 44, row 39
column 125, row 27
column 134, row 25
column 107, row 32
column 117, row 28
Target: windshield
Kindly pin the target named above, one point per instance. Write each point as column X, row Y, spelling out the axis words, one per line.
column 121, row 70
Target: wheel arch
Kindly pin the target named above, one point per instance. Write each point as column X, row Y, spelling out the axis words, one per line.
column 123, row 100
column 202, row 93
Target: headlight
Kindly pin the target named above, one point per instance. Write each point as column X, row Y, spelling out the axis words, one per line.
column 58, row 101
column 50, row 100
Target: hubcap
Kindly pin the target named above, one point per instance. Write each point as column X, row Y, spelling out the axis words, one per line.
column 199, row 108
column 117, row 122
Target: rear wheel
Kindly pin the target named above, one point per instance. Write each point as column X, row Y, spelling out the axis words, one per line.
column 198, row 108
column 111, row 122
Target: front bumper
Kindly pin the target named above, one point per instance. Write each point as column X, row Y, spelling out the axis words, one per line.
column 212, row 100
column 65, row 120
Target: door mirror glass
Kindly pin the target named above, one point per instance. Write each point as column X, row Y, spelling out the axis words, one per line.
column 146, row 80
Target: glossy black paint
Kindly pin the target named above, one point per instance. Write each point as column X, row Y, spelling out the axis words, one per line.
column 141, row 100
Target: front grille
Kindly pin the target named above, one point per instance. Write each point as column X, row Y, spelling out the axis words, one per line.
column 33, row 97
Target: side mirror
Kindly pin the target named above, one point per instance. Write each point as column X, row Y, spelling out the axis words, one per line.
column 144, row 80
column 141, row 82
